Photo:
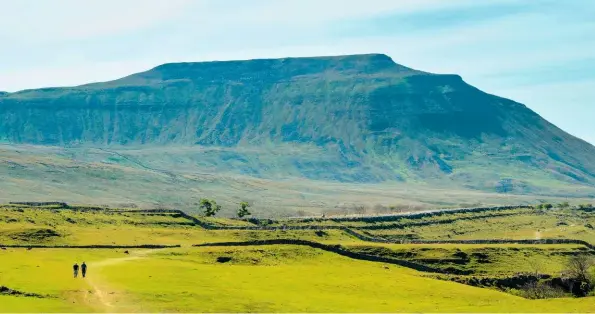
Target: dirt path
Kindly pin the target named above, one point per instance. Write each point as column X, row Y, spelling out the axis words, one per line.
column 99, row 297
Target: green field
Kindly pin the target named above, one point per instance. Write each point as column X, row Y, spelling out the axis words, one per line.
column 269, row 278
column 264, row 280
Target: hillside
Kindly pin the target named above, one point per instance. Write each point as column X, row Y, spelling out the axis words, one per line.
column 347, row 119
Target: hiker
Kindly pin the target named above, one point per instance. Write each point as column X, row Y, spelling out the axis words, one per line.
column 75, row 268
column 84, row 269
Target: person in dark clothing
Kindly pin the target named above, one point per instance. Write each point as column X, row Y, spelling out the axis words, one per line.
column 84, row 269
column 75, row 268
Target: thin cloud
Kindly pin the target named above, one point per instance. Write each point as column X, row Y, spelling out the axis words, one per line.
column 37, row 22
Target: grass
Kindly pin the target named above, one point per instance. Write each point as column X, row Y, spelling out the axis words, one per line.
column 261, row 279
column 22, row 225
column 27, row 305
column 499, row 260
column 532, row 224
column 271, row 278
column 48, row 272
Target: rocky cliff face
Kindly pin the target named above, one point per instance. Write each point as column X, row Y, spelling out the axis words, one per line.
column 375, row 117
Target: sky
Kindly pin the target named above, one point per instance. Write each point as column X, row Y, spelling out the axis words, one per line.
column 540, row 53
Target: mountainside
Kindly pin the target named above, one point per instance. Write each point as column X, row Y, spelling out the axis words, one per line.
column 360, row 118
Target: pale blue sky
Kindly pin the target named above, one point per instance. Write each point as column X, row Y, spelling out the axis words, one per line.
column 539, row 52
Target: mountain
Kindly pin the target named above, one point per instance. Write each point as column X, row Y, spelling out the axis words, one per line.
column 347, row 119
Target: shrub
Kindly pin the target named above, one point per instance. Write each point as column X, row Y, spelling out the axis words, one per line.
column 209, row 207
column 548, row 206
column 540, row 290
column 243, row 210
column 578, row 272
column 564, row 205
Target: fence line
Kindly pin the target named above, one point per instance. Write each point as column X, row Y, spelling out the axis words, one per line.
column 337, row 249
column 38, row 204
column 411, row 215
column 97, row 246
column 360, row 236
column 500, row 241
column 369, row 238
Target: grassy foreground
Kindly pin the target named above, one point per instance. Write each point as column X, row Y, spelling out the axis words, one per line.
column 278, row 278
column 271, row 279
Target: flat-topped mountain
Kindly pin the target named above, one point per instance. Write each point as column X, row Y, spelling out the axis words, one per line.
column 357, row 118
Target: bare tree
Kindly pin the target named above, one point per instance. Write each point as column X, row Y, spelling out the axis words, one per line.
column 579, row 268
column 359, row 209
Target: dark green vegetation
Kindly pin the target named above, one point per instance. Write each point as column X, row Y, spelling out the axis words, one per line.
column 291, row 134
column 210, row 207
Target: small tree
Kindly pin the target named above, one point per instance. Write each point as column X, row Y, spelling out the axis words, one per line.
column 209, row 207
column 548, row 206
column 243, row 210
column 564, row 205
column 578, row 272
column 579, row 268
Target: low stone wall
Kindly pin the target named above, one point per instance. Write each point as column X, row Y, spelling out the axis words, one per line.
column 368, row 238
column 503, row 241
column 362, row 236
column 423, row 214
column 349, row 219
column 431, row 223
column 337, row 249
column 38, row 204
column 98, row 246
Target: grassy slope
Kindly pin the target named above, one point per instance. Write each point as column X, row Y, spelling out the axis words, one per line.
column 40, row 226
column 26, row 305
column 528, row 224
column 494, row 260
column 49, row 273
column 286, row 279
column 268, row 278
column 100, row 177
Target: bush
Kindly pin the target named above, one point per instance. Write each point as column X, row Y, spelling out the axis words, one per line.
column 540, row 290
column 243, row 210
column 544, row 206
column 564, row 205
column 579, row 272
column 548, row 206
column 209, row 207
